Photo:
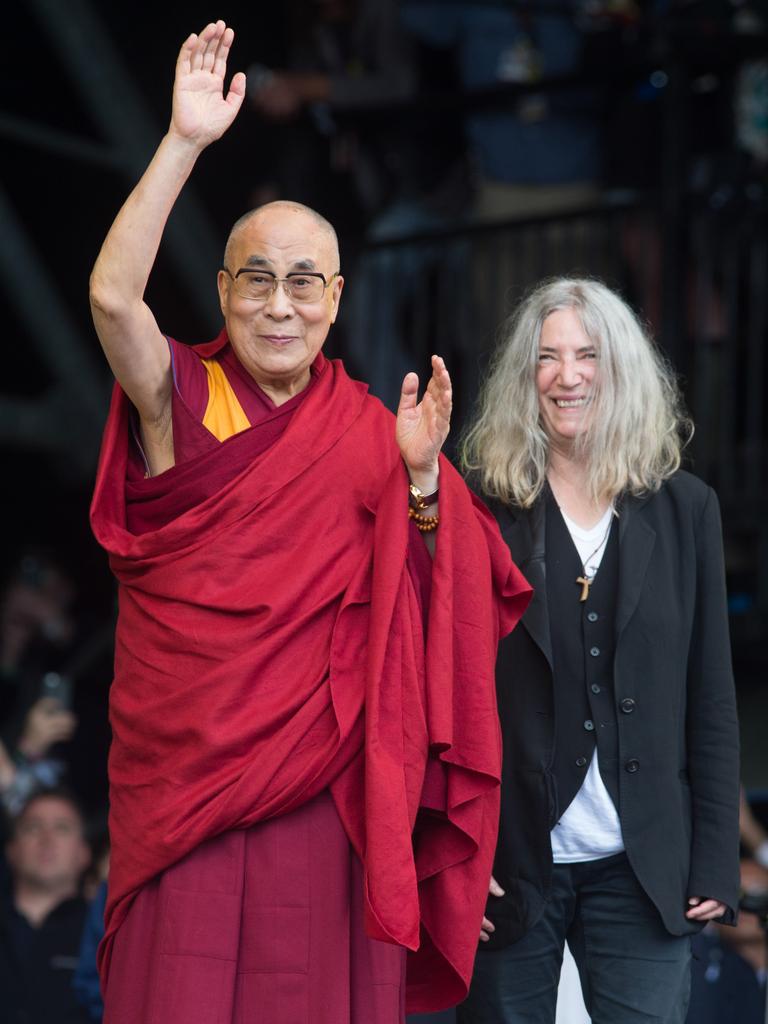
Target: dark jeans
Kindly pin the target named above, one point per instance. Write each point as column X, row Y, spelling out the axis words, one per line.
column 632, row 970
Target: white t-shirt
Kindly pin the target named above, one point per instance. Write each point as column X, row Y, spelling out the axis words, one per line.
column 590, row 827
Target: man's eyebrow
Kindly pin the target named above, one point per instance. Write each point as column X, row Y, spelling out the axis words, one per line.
column 258, row 261
column 264, row 263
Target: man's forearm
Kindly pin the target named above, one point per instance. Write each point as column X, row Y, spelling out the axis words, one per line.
column 127, row 256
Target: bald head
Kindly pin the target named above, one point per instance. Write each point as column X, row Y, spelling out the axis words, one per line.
column 292, row 209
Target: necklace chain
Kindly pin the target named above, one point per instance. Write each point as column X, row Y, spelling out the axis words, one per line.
column 585, row 563
column 585, row 581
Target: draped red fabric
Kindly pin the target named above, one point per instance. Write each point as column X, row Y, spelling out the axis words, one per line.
column 270, row 644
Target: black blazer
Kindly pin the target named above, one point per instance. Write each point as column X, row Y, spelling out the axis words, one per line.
column 679, row 809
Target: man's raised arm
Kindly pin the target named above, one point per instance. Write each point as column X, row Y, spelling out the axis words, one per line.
column 134, row 346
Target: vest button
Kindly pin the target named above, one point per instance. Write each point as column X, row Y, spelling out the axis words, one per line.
column 592, row 616
column 627, row 705
column 595, row 688
column 580, row 762
column 632, row 765
column 589, row 725
column 594, row 651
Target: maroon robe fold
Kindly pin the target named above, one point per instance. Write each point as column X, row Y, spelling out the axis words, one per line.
column 270, row 645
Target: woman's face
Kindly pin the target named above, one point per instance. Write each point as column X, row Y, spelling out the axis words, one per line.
column 565, row 376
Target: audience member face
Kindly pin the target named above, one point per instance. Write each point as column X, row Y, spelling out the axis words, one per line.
column 48, row 850
column 276, row 339
column 566, row 372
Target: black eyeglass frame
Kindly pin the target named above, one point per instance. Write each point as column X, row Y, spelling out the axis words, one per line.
column 281, row 280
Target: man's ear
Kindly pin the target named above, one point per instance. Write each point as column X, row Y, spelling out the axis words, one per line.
column 337, row 288
column 223, row 282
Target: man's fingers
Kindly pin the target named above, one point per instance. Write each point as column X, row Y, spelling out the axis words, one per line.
column 236, row 93
column 212, row 47
column 222, row 52
column 409, row 391
column 203, row 41
column 494, row 888
column 188, row 47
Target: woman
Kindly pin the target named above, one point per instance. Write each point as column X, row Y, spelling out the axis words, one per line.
column 619, row 821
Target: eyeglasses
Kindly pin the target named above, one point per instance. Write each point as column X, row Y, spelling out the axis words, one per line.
column 259, row 285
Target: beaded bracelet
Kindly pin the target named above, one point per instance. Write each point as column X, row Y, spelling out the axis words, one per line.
column 424, row 523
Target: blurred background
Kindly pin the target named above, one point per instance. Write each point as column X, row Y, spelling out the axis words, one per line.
column 464, row 151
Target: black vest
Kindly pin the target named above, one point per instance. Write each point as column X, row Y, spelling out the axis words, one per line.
column 583, row 642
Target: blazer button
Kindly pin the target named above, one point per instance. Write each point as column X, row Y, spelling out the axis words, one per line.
column 594, row 651
column 627, row 705
column 632, row 765
column 580, row 762
column 589, row 725
column 595, row 688
column 592, row 616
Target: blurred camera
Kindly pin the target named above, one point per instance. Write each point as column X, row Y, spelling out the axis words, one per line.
column 58, row 687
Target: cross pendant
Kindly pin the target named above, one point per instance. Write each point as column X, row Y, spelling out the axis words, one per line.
column 584, row 587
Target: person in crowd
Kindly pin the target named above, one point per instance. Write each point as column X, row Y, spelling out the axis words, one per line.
column 305, row 742
column 37, row 631
column 619, row 821
column 729, row 964
column 43, row 915
column 54, row 652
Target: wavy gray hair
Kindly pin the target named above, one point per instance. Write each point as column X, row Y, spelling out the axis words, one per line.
column 638, row 427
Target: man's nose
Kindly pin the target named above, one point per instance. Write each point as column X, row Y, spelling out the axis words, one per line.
column 279, row 305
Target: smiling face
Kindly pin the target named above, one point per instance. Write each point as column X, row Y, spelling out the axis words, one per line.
column 565, row 376
column 277, row 339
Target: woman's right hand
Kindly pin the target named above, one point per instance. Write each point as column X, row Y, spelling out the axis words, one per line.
column 487, row 926
column 201, row 111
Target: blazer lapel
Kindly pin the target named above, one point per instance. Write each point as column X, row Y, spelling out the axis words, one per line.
column 525, row 535
column 636, row 541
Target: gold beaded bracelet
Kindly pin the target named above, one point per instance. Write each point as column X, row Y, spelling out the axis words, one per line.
column 424, row 523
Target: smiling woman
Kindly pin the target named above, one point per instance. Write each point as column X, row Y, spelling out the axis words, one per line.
column 636, row 427
column 613, row 758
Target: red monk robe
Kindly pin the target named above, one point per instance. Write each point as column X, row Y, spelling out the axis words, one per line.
column 271, row 647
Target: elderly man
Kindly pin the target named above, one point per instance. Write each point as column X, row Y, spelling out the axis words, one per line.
column 305, row 759
column 42, row 921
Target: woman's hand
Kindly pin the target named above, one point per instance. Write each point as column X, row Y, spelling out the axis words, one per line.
column 201, row 111
column 422, row 427
column 700, row 909
column 487, row 927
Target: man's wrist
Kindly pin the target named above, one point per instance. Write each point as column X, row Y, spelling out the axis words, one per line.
column 426, row 480
column 187, row 148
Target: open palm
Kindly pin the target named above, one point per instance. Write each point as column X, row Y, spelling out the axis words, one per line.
column 422, row 427
column 201, row 111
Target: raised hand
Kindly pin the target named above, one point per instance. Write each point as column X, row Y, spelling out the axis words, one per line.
column 422, row 427
column 201, row 110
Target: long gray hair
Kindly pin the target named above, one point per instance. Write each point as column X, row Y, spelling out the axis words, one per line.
column 638, row 427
